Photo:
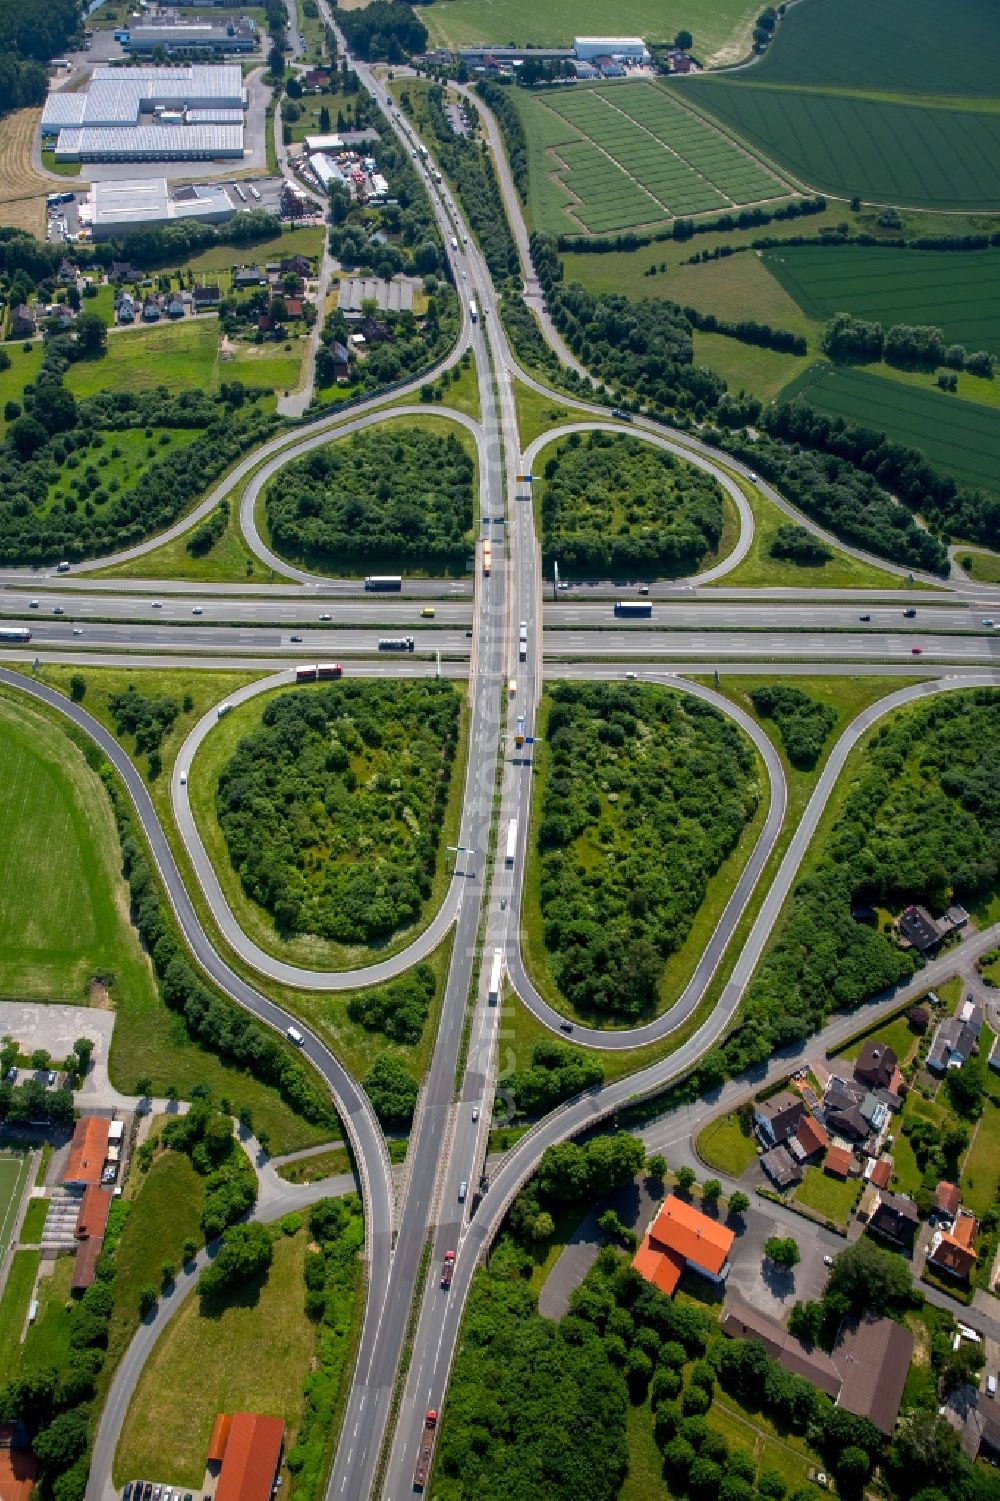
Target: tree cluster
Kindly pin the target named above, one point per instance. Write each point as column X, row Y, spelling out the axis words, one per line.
column 205, row 536
column 613, row 505
column 399, row 1009
column 332, row 810
column 910, row 346
column 383, row 31
column 802, row 722
column 921, row 823
column 392, row 1090
column 146, row 717
column 556, row 1073
column 685, row 229
column 796, row 545
column 646, row 793
column 394, row 497
column 205, row 1134
column 38, row 32
column 31, row 1101
column 892, row 467
column 244, row 1257
column 748, row 331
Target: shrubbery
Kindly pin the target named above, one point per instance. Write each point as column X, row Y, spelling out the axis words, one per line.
column 556, row 1073
column 333, row 809
column 803, row 723
column 399, row 1009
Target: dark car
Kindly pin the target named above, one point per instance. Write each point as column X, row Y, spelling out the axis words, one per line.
column 295, row 638
column 865, row 616
column 147, row 1490
column 127, row 1492
column 909, row 614
column 565, row 1026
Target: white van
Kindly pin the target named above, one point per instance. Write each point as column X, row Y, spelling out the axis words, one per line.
column 294, row 1035
column 223, row 709
column 512, row 687
column 62, row 568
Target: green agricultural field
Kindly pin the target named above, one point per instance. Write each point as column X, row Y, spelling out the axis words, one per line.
column 618, row 156
column 59, row 853
column 846, row 103
column 721, row 28
column 958, row 293
column 960, row 437
column 185, row 356
column 307, row 241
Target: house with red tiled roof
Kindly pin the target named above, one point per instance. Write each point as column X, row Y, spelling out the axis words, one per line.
column 809, row 1138
column 87, row 1152
column 250, row 1458
column 838, row 1161
column 679, row 1237
column 947, row 1200
column 952, row 1252
column 881, row 1172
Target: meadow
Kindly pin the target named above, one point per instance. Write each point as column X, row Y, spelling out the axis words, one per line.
column 59, row 855
column 846, row 103
column 958, row 293
column 959, row 436
column 623, row 155
column 182, row 357
column 721, row 28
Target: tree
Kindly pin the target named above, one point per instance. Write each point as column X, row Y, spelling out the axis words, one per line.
column 63, row 1441
column 686, row 1178
column 926, row 1450
column 711, row 1191
column 147, row 1299
column 83, row 1048
column 544, row 1226
column 961, row 1367
column 26, row 436
column 738, row 1203
column 77, row 687
column 783, row 1251
column 324, row 121
column 868, row 1277
column 967, row 1088
column 91, row 335
column 853, row 1466
column 656, row 1166
column 144, row 1086
column 245, row 1253
column 683, row 40
column 40, row 1059
column 392, row 1090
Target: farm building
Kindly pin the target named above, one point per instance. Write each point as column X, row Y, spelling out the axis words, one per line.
column 115, row 207
column 250, row 1455
column 150, row 114
column 87, row 1152
column 630, row 49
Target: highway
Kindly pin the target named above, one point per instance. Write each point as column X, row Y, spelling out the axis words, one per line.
column 698, row 624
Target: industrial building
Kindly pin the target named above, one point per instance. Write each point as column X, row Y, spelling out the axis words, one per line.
column 629, row 49
column 113, row 208
column 193, row 36
column 192, row 113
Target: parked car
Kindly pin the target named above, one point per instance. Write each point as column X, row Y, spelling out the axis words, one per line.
column 52, row 1076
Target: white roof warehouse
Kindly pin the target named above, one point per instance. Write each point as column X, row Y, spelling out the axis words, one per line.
column 119, row 117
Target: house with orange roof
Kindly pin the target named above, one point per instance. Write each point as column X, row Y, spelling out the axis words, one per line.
column 18, row 1466
column 809, row 1139
column 682, row 1237
column 953, row 1252
column 251, row 1455
column 87, row 1152
column 838, row 1161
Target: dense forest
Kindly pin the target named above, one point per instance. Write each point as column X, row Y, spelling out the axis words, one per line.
column 395, row 497
column 802, row 722
column 332, row 810
column 30, row 34
column 921, row 823
column 383, row 31
column 397, row 1010
column 615, row 505
column 646, row 793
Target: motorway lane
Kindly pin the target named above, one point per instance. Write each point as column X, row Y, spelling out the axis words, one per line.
column 576, row 609
column 351, row 1102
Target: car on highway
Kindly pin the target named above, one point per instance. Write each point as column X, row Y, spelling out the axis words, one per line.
column 294, row 1035
column 427, row 613
column 326, row 617
column 32, row 604
column 631, row 675
column 986, row 621
column 917, row 651
column 156, row 604
column 58, row 610
column 468, row 633
column 463, row 1189
column 183, row 778
column 197, row 610
column 865, row 616
column 295, row 638
column 78, row 630
column 565, row 1026
column 475, row 1112
column 752, row 478
column 909, row 614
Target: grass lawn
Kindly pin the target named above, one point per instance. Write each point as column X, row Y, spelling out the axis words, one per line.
column 906, row 1174
column 13, row 1176
column 34, row 1222
column 896, row 1034
column 537, row 413
column 149, row 1038
column 268, row 1346
column 301, row 948
column 59, row 852
column 308, row 123
column 644, row 1481
column 14, row 1304
column 981, row 1171
column 184, row 356
column 747, row 367
column 984, row 567
column 827, row 1196
column 725, row 1146
column 312, row 1169
column 165, row 1206
column 754, row 1433
column 47, row 1342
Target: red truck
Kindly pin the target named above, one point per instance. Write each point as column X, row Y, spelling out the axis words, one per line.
column 426, row 1451
column 447, row 1269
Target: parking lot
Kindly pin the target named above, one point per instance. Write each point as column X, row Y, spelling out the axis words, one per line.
column 56, row 1028
column 767, row 1287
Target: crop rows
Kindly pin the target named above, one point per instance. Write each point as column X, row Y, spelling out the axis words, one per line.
column 960, row 436
column 959, row 293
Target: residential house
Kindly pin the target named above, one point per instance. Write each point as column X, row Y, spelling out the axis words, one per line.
column 809, row 1139
column 680, row 62
column 126, row 308
column 22, row 321
column 975, row 1417
column 175, row 307
column 206, row 298
column 952, row 1251
column 682, row 1237
column 341, row 368
column 316, row 78
column 375, row 332
column 947, row 1200
column 742, row 1321
column 124, row 271
column 956, row 1038
column 877, row 1066
column 781, row 1167
column 293, row 307
column 299, row 264
column 251, row 1456
column 91, row 1224
column 248, row 276
column 151, row 310
column 87, row 1152
column 873, row 1357
column 895, row 1219
column 848, row 1122
column 875, row 1112
column 880, row 1174
column 778, row 1117
column 841, row 1094
column 919, row 929
column 839, row 1162
column 67, row 273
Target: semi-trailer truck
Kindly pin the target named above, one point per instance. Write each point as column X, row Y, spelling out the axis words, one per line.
column 487, row 558
column 396, row 643
column 383, row 581
column 635, row 609
column 425, row 1453
column 511, row 842
column 447, row 1269
column 473, row 312
column 454, row 242
column 497, row 966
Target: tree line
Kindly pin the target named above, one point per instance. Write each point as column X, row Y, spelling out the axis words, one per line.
column 611, row 504
column 748, row 331
column 332, row 810
column 909, row 346
column 646, row 793
column 396, row 496
column 31, row 34
column 686, row 229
